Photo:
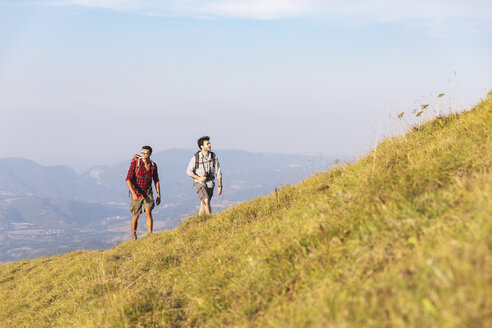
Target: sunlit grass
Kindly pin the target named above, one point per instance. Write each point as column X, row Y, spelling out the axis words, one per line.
column 395, row 240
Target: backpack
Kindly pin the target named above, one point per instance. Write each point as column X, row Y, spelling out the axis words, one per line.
column 139, row 162
column 152, row 166
column 197, row 160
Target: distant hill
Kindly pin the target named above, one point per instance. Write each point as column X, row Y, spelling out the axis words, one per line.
column 22, row 176
column 46, row 210
column 402, row 238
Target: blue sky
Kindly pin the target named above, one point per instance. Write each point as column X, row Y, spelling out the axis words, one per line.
column 86, row 82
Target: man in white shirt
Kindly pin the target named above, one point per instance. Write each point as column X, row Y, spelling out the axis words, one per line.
column 203, row 168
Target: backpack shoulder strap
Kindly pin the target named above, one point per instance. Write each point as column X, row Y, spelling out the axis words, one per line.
column 152, row 166
column 197, row 161
column 138, row 165
column 212, row 157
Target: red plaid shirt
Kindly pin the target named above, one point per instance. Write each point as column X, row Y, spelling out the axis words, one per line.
column 142, row 180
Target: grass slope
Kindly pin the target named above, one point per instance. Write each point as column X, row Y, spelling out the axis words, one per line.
column 401, row 238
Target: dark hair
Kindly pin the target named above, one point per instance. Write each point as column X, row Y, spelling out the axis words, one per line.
column 201, row 140
column 148, row 148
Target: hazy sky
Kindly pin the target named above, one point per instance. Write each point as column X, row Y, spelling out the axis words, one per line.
column 87, row 82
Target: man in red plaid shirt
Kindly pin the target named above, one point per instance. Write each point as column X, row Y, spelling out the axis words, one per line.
column 139, row 181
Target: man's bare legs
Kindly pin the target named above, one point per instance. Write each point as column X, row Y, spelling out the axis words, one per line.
column 150, row 223
column 150, row 220
column 134, row 226
column 205, row 207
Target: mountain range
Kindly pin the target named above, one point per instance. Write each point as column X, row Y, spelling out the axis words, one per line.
column 47, row 210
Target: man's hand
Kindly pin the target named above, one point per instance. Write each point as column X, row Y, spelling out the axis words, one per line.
column 202, row 179
column 134, row 196
column 219, row 190
column 158, row 200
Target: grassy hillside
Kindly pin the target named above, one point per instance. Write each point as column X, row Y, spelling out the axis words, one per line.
column 401, row 238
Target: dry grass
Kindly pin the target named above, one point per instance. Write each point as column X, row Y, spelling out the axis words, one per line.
column 395, row 240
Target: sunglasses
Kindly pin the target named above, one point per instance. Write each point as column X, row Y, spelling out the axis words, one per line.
column 145, row 152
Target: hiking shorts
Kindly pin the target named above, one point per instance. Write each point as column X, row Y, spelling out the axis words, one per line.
column 145, row 202
column 204, row 192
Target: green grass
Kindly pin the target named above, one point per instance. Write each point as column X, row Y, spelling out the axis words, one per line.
column 401, row 238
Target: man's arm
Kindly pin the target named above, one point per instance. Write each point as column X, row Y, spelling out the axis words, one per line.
column 134, row 194
column 199, row 178
column 155, row 176
column 219, row 189
column 218, row 174
column 158, row 189
column 192, row 174
column 129, row 176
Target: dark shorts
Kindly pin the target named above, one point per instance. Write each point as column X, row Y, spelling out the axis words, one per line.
column 204, row 192
column 145, row 202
